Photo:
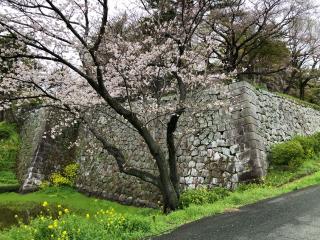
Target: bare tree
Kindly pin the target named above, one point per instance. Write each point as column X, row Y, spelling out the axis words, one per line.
column 243, row 27
column 304, row 43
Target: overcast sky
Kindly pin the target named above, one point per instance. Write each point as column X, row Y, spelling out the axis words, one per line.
column 129, row 5
column 120, row 5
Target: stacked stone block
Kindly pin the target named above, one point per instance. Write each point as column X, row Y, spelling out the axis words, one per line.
column 218, row 144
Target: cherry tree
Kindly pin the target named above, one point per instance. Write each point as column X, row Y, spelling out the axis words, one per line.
column 82, row 62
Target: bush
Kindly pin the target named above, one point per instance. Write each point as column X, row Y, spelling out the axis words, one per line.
column 58, row 180
column 67, row 177
column 309, row 145
column 294, row 152
column 316, row 138
column 202, row 196
column 9, row 146
column 70, row 171
column 284, row 153
column 4, row 135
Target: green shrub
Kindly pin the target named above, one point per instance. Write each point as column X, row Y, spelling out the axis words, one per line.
column 4, row 135
column 316, row 138
column 202, row 196
column 57, row 179
column 295, row 163
column 66, row 177
column 284, row 153
column 71, row 171
column 9, row 146
column 309, row 145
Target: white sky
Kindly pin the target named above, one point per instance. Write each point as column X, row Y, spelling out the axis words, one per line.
column 116, row 6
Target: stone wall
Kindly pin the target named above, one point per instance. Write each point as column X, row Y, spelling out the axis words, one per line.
column 222, row 149
column 40, row 155
column 281, row 118
column 218, row 145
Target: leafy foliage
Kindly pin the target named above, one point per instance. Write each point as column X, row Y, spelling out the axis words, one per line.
column 67, row 177
column 308, row 144
column 9, row 146
column 284, row 153
column 294, row 152
column 280, row 175
column 202, row 196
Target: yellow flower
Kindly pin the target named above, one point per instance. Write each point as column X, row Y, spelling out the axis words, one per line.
column 66, row 210
column 50, row 227
column 45, row 204
column 59, row 206
column 87, row 215
column 60, row 213
column 55, row 223
column 64, row 233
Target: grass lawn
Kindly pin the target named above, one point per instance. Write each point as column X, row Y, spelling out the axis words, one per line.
column 67, row 197
column 279, row 181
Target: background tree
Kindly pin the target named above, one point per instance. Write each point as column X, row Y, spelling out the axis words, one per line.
column 304, row 43
column 242, row 27
column 266, row 65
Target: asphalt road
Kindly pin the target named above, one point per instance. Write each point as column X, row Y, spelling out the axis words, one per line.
column 294, row 216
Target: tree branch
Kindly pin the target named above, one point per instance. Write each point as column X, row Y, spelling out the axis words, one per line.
column 120, row 159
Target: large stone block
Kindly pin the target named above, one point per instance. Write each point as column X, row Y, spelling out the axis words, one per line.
column 228, row 144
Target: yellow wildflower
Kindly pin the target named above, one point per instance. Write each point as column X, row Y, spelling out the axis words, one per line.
column 45, row 204
column 55, row 223
column 50, row 226
column 87, row 215
column 66, row 210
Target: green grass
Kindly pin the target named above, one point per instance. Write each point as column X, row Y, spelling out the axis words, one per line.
column 69, row 198
column 279, row 181
column 9, row 145
column 280, row 175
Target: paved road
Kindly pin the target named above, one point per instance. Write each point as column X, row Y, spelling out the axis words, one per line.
column 294, row 216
